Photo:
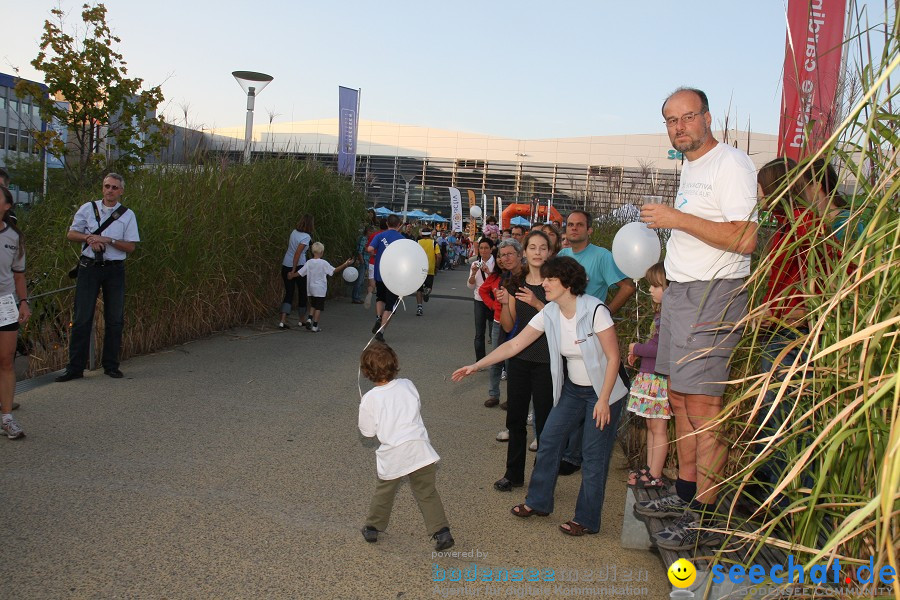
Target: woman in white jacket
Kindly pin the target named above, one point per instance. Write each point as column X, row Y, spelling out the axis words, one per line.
column 584, row 365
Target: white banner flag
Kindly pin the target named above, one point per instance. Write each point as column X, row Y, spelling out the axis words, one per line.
column 455, row 209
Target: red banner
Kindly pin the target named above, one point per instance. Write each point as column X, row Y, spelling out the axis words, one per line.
column 812, row 71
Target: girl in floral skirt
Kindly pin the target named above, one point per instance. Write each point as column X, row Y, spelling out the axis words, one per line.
column 649, row 396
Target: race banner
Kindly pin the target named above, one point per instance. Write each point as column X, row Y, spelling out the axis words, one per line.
column 812, row 73
column 456, row 210
column 348, row 127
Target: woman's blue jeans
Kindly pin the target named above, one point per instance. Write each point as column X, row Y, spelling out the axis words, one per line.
column 774, row 468
column 499, row 336
column 576, row 404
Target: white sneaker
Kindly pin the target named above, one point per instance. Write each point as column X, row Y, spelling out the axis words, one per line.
column 315, row 329
column 531, row 418
column 503, row 436
column 503, row 375
column 307, row 323
column 367, row 303
column 533, row 446
column 12, row 429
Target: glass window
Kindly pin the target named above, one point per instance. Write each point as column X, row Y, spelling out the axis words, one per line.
column 11, row 140
column 2, row 102
column 14, row 105
column 24, row 139
column 2, row 138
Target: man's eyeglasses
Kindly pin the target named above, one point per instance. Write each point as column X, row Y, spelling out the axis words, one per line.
column 107, row 186
column 686, row 119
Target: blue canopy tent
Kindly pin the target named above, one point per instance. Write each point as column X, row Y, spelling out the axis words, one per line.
column 520, row 221
column 434, row 219
column 383, row 211
column 415, row 214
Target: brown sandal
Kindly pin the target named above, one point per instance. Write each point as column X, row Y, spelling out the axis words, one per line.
column 523, row 512
column 575, row 529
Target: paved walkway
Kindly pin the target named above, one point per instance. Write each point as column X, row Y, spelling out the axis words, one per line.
column 231, row 467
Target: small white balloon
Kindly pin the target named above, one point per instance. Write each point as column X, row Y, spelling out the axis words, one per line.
column 635, row 249
column 350, row 274
column 475, row 211
column 403, row 267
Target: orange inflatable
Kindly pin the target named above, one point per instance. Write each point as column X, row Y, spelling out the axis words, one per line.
column 524, row 210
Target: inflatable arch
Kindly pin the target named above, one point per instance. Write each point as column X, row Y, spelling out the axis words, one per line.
column 524, row 210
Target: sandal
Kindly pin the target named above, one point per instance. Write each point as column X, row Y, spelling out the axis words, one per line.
column 523, row 512
column 635, row 475
column 575, row 529
column 648, row 482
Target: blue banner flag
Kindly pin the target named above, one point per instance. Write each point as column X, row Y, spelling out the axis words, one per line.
column 347, row 130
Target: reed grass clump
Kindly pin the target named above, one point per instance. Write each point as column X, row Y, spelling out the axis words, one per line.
column 212, row 239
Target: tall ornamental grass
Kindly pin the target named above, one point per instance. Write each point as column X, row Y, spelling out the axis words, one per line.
column 212, row 240
column 841, row 436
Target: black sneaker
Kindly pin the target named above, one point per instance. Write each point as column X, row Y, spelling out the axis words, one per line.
column 370, row 534
column 377, row 325
column 379, row 336
column 443, row 539
column 567, row 468
column 69, row 376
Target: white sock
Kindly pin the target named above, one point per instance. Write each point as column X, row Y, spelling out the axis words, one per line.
column 7, row 417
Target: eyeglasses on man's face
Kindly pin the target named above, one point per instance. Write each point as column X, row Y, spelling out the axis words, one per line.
column 685, row 118
column 109, row 186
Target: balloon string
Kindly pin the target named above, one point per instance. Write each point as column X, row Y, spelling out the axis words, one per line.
column 371, row 339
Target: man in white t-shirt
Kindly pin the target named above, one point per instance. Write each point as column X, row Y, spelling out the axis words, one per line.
column 714, row 229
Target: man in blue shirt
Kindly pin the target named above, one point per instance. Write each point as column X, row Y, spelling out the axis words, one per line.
column 602, row 273
column 384, row 298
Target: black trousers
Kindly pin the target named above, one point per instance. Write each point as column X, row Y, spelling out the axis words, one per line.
column 526, row 382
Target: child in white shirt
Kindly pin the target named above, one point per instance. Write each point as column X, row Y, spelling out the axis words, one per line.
column 391, row 411
column 317, row 271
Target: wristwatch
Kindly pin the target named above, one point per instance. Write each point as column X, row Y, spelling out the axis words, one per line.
column 112, row 241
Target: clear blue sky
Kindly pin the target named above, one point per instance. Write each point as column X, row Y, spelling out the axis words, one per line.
column 519, row 69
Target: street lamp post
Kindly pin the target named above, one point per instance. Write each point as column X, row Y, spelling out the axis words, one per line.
column 252, row 83
column 407, row 177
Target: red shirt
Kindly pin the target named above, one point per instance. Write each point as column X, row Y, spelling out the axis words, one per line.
column 789, row 250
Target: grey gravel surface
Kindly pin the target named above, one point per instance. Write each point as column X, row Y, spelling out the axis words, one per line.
column 231, row 467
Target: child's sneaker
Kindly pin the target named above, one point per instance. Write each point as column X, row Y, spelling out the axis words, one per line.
column 14, row 431
column 315, row 329
column 307, row 323
column 377, row 325
column 503, row 436
column 443, row 539
column 419, row 311
column 370, row 534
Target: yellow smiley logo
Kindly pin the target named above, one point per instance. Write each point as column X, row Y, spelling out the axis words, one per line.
column 682, row 573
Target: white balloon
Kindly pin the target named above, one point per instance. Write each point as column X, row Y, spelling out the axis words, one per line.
column 350, row 274
column 403, row 267
column 635, row 249
column 475, row 211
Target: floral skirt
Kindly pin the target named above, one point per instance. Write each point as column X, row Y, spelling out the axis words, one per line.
column 649, row 396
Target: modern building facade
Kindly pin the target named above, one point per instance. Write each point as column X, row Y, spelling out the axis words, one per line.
column 18, row 118
column 599, row 173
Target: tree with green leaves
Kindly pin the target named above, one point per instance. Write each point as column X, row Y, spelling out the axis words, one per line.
column 110, row 120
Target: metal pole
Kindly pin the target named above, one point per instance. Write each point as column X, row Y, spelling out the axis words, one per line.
column 405, row 201
column 356, row 136
column 248, row 128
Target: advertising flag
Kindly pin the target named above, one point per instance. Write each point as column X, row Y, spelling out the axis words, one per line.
column 348, row 127
column 812, row 72
column 455, row 210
